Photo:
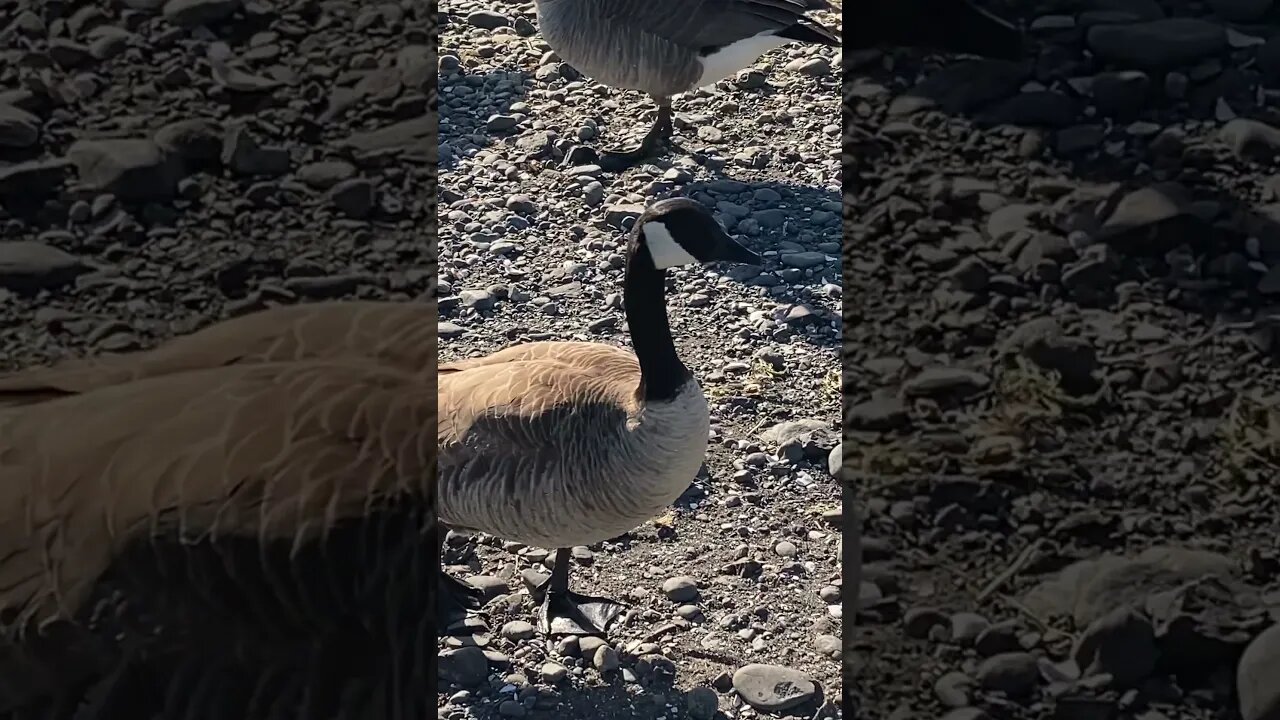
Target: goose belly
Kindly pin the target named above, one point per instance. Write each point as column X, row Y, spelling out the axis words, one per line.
column 565, row 499
column 731, row 58
column 617, row 55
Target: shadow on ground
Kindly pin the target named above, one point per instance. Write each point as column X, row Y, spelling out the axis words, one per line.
column 1118, row 194
column 475, row 111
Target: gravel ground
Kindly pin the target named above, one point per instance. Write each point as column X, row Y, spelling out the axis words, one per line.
column 1061, row 401
column 161, row 170
column 164, row 165
column 745, row 568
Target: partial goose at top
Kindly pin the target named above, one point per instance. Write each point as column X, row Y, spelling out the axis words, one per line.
column 669, row 47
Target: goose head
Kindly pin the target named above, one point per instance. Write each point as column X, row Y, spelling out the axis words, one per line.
column 954, row 26
column 680, row 231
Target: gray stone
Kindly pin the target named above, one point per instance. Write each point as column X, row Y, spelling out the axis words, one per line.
column 242, row 153
column 466, row 667
column 355, row 197
column 773, row 688
column 196, row 140
column 517, row 630
column 488, row 20
column 34, row 177
column 1258, row 677
column 681, row 589
column 131, row 169
column 1158, row 44
column 953, row 689
column 944, row 380
column 409, row 135
column 701, row 703
column 18, row 128
column 27, row 266
column 1251, row 139
column 1241, row 10
column 1121, row 94
column 1121, row 644
column 193, row 13
column 326, row 173
column 1015, row 674
column 880, row 413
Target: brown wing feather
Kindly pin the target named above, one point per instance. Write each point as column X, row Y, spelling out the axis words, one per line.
column 279, row 450
column 402, row 335
column 574, row 354
column 522, row 382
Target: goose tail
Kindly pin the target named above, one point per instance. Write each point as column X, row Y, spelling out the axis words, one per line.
column 810, row 32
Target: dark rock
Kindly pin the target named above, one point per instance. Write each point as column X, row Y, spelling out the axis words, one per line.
column 193, row 13
column 953, row 688
column 967, row 626
column 1121, row 644
column 1123, row 94
column 325, row 174
column 918, row 623
column 880, row 413
column 998, row 638
column 1158, row 44
column 409, row 135
column 69, row 54
column 18, row 128
column 1042, row 108
column 242, row 153
column 196, row 140
column 943, row 381
column 1242, row 11
column 1256, row 677
column 27, row 266
column 109, row 42
column 963, row 87
column 1080, row 139
column 488, row 20
column 1041, row 247
column 1251, row 139
column 466, row 667
column 1044, row 342
column 1016, row 674
column 37, row 177
column 354, row 197
column 131, row 169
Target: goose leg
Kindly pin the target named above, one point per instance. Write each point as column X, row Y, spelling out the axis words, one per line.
column 454, row 598
column 658, row 132
column 565, row 612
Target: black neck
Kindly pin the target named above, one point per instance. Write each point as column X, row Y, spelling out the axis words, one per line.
column 645, row 303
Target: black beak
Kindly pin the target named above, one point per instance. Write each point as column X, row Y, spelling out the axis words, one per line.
column 730, row 250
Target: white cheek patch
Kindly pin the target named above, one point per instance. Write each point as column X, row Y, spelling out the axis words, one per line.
column 735, row 56
column 665, row 251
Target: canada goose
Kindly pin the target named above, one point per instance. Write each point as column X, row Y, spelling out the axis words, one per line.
column 558, row 444
column 669, row 47
column 400, row 335
column 275, row 461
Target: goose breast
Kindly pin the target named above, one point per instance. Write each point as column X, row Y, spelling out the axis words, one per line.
column 556, row 451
